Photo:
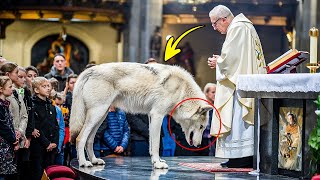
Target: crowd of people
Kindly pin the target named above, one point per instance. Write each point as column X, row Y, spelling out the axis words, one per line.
column 34, row 129
column 34, row 118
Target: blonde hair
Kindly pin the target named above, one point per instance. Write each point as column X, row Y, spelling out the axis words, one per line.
column 220, row 11
column 37, row 82
column 4, row 80
column 208, row 85
column 22, row 69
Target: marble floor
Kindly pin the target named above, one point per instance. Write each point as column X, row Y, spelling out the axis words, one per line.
column 139, row 168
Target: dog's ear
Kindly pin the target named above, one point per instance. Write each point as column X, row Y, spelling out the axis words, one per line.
column 204, row 109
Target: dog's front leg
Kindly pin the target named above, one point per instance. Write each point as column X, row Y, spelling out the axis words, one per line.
column 154, row 135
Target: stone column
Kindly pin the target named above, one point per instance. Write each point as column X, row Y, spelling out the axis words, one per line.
column 153, row 19
column 132, row 44
column 144, row 16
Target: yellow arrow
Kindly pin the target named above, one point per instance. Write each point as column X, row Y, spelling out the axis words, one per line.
column 170, row 49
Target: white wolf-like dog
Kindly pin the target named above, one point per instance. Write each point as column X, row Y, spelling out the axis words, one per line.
column 152, row 89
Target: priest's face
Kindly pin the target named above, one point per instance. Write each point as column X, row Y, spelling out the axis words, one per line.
column 219, row 24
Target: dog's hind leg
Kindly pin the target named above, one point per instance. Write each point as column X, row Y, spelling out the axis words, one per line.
column 154, row 135
column 89, row 145
column 94, row 117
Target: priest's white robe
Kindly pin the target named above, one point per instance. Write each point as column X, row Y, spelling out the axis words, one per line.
column 241, row 54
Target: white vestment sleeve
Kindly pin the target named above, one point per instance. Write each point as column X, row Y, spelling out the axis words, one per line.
column 219, row 75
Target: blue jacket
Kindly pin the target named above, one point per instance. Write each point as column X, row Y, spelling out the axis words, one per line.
column 61, row 128
column 168, row 143
column 116, row 132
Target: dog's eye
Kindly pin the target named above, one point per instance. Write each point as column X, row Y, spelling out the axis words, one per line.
column 201, row 126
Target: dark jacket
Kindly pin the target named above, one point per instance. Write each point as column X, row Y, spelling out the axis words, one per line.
column 116, row 132
column 61, row 79
column 45, row 121
column 6, row 126
column 28, row 102
column 68, row 102
column 139, row 127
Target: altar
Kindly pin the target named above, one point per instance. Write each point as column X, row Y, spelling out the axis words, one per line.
column 285, row 111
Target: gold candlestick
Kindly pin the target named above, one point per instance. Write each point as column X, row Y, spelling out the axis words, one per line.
column 313, row 67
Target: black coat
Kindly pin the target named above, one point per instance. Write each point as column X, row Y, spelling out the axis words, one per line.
column 45, row 120
column 139, row 126
column 68, row 102
column 28, row 102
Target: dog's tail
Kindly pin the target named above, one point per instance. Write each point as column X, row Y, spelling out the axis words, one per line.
column 78, row 110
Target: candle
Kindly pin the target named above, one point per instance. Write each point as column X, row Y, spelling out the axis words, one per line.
column 313, row 33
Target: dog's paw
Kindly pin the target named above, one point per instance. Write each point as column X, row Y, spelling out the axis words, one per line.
column 86, row 164
column 160, row 165
column 158, row 172
column 98, row 161
column 162, row 160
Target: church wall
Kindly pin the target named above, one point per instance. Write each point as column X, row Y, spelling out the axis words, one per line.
column 22, row 35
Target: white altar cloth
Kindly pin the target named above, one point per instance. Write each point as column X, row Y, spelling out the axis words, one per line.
column 292, row 83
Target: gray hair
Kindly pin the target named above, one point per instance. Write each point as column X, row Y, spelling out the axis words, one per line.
column 61, row 96
column 220, row 11
column 208, row 85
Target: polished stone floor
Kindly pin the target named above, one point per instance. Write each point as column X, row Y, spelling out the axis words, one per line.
column 139, row 168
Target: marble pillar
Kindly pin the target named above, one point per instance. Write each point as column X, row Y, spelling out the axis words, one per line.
column 144, row 16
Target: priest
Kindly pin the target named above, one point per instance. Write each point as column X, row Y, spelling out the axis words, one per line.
column 241, row 54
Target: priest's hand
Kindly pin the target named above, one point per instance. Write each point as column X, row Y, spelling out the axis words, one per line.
column 212, row 61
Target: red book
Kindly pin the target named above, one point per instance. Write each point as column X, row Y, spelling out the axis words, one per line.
column 287, row 62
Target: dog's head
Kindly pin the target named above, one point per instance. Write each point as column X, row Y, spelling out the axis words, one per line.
column 194, row 126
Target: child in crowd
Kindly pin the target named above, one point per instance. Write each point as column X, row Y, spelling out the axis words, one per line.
column 25, row 92
column 8, row 140
column 71, row 80
column 139, row 134
column 18, row 108
column 59, row 157
column 19, row 114
column 43, row 146
column 113, row 136
column 210, row 92
column 32, row 73
column 21, row 123
column 60, row 100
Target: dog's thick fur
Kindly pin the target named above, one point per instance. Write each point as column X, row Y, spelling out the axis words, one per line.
column 152, row 89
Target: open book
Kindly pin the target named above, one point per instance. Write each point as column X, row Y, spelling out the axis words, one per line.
column 287, row 62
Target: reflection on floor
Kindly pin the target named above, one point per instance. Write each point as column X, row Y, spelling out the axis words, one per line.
column 138, row 168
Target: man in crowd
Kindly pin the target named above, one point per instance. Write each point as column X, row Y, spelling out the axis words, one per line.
column 60, row 71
